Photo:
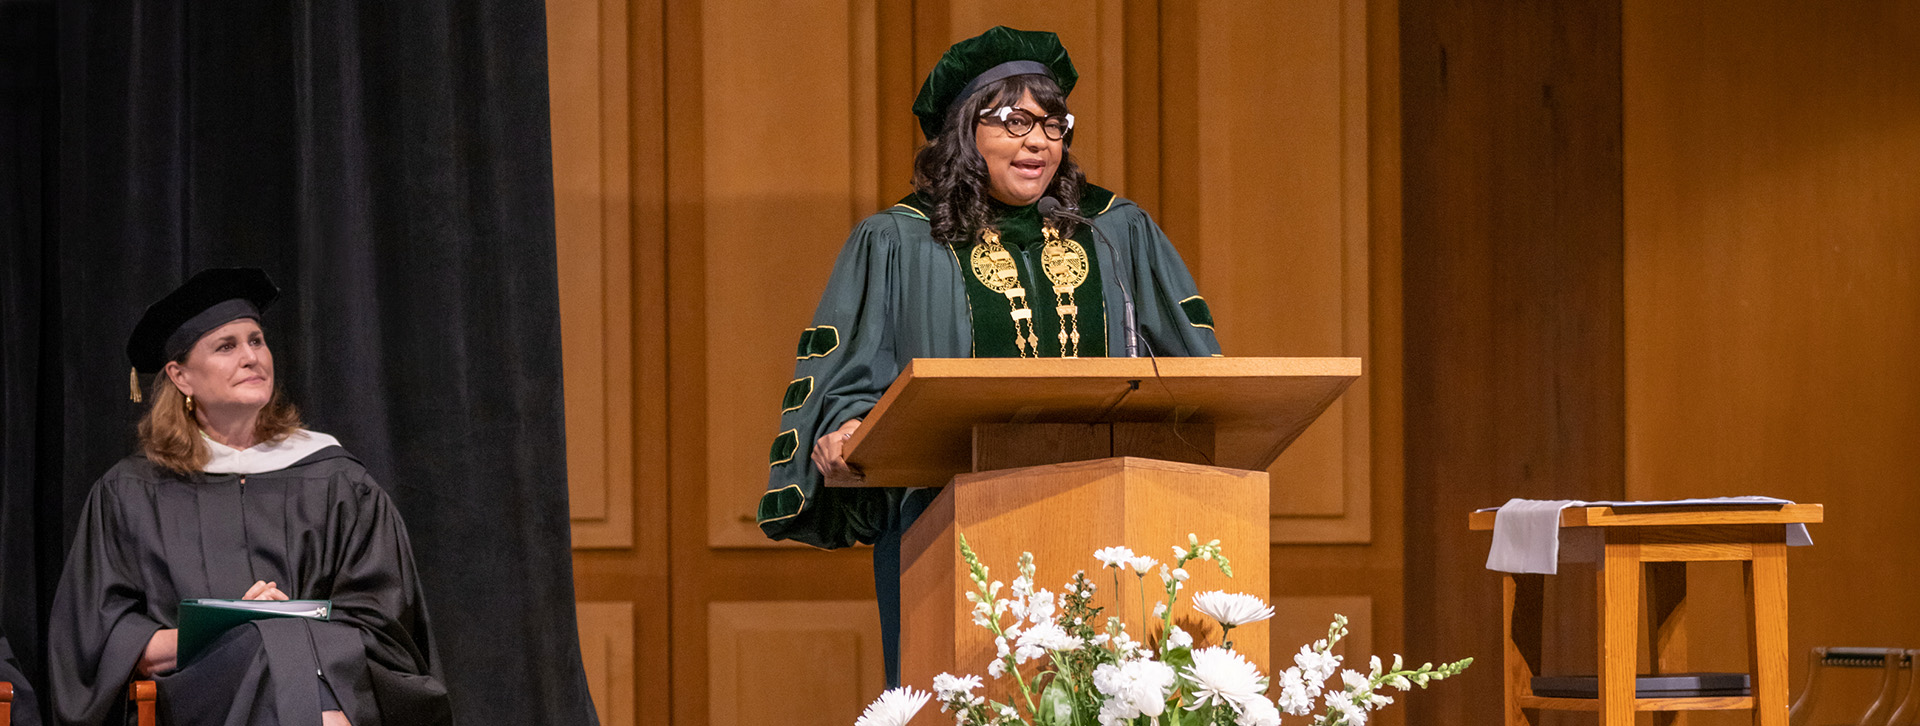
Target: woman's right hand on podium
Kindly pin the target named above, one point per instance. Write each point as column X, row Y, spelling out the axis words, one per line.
column 830, row 454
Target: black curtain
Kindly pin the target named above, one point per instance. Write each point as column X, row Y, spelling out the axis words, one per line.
column 388, row 164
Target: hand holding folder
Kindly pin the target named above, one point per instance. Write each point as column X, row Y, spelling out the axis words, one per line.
column 202, row 620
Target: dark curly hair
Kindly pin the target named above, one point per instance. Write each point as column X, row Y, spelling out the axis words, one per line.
column 949, row 173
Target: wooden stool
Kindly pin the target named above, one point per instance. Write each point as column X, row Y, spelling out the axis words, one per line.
column 1645, row 550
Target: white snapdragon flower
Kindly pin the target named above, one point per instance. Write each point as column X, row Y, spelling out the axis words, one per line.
column 948, row 687
column 1223, row 677
column 1160, row 609
column 1355, row 681
column 1133, row 688
column 1041, row 638
column 1179, row 638
column 1316, row 666
column 1232, row 609
column 1259, row 712
column 1124, row 645
column 1294, row 696
column 895, row 707
column 1360, row 688
column 1115, row 557
column 1346, row 712
column 1041, row 607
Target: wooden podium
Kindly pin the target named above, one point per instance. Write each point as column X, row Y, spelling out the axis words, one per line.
column 1060, row 457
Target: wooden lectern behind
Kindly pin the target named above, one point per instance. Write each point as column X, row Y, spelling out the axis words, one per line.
column 1064, row 456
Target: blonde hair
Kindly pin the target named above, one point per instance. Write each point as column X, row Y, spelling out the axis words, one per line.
column 171, row 437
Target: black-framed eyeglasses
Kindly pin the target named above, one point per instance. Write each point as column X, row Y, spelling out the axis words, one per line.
column 1019, row 122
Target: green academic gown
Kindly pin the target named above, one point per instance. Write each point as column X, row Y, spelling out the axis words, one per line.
column 896, row 294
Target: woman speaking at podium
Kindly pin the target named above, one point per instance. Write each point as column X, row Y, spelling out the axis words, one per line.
column 1003, row 250
column 230, row 498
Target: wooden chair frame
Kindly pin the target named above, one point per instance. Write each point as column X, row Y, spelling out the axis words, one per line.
column 143, row 695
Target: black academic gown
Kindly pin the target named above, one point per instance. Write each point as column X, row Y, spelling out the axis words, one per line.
column 26, row 709
column 321, row 529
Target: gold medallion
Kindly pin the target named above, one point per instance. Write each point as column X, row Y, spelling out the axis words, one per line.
column 993, row 266
column 1064, row 260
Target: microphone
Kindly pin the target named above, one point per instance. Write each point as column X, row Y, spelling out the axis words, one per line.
column 1051, row 207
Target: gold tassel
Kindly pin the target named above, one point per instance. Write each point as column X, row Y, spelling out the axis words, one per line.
column 133, row 385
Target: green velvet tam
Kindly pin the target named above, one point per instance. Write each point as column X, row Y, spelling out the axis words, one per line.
column 967, row 60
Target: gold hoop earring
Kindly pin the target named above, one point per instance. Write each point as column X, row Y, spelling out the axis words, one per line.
column 189, row 404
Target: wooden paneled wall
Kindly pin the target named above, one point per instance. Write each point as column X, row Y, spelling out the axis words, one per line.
column 1656, row 250
column 1773, row 295
column 710, row 156
column 1512, row 288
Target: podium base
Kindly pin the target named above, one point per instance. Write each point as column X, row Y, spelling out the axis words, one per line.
column 1062, row 513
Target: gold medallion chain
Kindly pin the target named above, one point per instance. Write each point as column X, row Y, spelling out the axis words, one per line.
column 993, row 265
column 1065, row 263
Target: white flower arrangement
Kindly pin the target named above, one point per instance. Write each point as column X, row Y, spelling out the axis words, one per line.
column 1108, row 677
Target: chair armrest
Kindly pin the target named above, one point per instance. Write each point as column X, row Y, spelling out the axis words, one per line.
column 143, row 693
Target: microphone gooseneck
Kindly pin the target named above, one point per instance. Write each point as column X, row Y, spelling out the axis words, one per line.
column 1051, row 207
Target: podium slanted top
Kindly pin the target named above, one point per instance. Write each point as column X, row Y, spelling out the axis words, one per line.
column 920, row 433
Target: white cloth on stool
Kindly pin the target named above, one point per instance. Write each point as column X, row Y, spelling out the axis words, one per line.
column 1526, row 532
column 1526, row 535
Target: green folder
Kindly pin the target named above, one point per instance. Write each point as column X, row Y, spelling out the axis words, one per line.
column 202, row 620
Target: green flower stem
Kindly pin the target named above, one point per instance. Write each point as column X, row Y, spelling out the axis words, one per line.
column 1140, row 585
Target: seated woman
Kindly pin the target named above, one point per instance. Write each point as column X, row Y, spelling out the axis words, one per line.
column 230, row 498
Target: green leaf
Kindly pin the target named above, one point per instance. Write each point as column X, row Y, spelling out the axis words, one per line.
column 1180, row 659
column 1056, row 706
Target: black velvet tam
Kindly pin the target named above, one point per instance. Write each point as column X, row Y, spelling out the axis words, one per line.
column 953, row 78
column 211, row 299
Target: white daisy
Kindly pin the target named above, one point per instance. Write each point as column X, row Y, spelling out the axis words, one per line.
column 1232, row 609
column 1113, row 556
column 1223, row 677
column 894, row 708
